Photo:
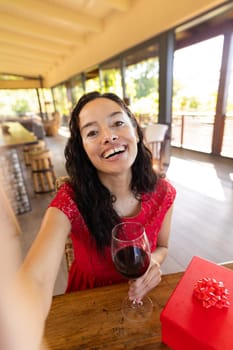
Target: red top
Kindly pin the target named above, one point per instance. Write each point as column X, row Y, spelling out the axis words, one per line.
column 90, row 269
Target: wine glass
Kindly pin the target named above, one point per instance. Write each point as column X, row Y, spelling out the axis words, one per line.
column 131, row 256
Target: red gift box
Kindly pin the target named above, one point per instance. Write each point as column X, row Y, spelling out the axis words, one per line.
column 186, row 323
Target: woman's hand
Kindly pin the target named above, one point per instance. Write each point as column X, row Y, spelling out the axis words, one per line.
column 141, row 286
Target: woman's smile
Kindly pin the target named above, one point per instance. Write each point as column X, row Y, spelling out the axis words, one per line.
column 116, row 150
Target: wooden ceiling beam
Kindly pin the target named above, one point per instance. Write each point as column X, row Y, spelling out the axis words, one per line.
column 22, row 69
column 30, row 42
column 20, row 84
column 31, row 70
column 39, row 30
column 56, row 14
column 18, row 50
column 27, row 56
column 4, row 60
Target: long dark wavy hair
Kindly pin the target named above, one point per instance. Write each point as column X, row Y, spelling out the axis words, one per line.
column 94, row 200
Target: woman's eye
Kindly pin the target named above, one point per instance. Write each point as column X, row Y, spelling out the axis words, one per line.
column 91, row 133
column 119, row 123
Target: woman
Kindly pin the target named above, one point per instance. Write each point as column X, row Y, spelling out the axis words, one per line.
column 111, row 180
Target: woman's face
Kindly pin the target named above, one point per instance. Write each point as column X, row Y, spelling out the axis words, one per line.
column 108, row 135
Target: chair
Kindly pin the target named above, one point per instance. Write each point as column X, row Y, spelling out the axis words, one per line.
column 154, row 135
column 69, row 250
column 40, row 145
column 42, row 171
column 52, row 126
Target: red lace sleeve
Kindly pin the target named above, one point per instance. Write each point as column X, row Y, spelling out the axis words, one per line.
column 155, row 207
column 64, row 200
column 166, row 194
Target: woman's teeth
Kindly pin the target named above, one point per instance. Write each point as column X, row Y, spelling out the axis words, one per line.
column 113, row 151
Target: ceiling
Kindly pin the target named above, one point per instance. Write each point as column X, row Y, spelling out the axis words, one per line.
column 47, row 37
column 46, row 31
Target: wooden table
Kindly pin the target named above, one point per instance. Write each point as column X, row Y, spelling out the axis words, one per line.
column 92, row 319
column 17, row 136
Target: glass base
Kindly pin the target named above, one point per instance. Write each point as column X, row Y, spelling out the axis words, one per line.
column 137, row 312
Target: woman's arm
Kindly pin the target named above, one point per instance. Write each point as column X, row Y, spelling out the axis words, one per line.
column 152, row 277
column 159, row 255
column 29, row 296
column 42, row 263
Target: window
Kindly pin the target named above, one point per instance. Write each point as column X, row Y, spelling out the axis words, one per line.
column 227, row 146
column 141, row 79
column 196, row 79
column 111, row 77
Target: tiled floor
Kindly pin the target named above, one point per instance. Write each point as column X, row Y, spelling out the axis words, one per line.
column 203, row 213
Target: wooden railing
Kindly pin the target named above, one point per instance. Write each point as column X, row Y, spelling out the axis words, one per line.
column 195, row 131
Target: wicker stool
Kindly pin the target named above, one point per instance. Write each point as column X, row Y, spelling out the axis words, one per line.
column 43, row 175
column 40, row 145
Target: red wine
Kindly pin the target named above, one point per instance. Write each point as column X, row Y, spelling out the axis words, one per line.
column 131, row 262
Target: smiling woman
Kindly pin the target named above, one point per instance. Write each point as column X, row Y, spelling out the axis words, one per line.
column 111, row 180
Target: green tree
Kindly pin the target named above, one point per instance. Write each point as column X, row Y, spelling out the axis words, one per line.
column 21, row 106
column 193, row 103
column 144, row 86
column 146, row 81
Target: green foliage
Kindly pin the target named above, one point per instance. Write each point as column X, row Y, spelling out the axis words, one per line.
column 76, row 93
column 142, row 78
column 193, row 103
column 93, row 84
column 146, row 105
column 144, row 86
column 18, row 101
column 109, row 79
column 21, row 106
column 61, row 100
column 183, row 102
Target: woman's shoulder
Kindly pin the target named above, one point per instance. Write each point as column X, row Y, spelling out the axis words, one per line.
column 164, row 185
column 64, row 191
column 64, row 200
column 163, row 191
column 62, row 180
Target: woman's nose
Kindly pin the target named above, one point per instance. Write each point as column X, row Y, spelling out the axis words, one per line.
column 109, row 137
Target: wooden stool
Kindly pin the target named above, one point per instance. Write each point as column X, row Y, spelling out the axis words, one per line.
column 40, row 145
column 43, row 175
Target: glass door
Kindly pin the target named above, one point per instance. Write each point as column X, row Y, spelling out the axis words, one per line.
column 195, row 88
column 227, row 145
